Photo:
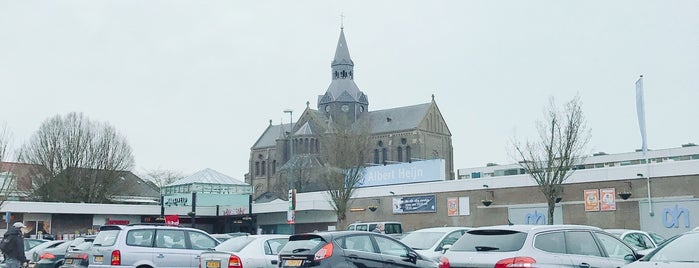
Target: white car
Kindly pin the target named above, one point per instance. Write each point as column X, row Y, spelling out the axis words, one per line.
column 679, row 252
column 245, row 251
column 431, row 242
column 639, row 240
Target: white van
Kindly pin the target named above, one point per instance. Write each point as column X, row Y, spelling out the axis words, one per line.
column 393, row 228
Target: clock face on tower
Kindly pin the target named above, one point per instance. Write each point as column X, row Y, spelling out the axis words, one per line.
column 327, row 108
column 345, row 108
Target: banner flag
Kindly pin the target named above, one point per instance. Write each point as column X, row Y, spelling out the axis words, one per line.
column 640, row 109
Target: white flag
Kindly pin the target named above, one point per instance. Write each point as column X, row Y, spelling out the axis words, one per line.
column 641, row 113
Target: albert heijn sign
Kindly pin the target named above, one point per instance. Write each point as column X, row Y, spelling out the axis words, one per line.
column 669, row 217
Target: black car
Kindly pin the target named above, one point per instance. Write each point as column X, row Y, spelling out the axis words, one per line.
column 50, row 257
column 349, row 249
column 77, row 255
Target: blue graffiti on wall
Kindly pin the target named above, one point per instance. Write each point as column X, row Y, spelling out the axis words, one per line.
column 534, row 218
column 672, row 216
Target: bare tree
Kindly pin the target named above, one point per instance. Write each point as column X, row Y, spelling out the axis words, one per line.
column 8, row 178
column 82, row 159
column 552, row 158
column 343, row 151
column 163, row 177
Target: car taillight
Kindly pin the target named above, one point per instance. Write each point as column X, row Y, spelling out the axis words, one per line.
column 235, row 262
column 444, row 263
column 324, row 252
column 516, row 262
column 47, row 256
column 81, row 256
column 116, row 257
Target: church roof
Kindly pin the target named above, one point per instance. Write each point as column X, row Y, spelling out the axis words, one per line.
column 270, row 136
column 304, row 130
column 397, row 119
column 342, row 55
column 208, row 176
column 343, row 90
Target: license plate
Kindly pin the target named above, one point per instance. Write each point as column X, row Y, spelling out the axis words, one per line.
column 99, row 258
column 213, row 264
column 292, row 262
column 31, row 265
column 69, row 261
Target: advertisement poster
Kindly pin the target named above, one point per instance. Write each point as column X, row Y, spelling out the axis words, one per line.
column 452, row 206
column 414, row 204
column 608, row 200
column 591, row 200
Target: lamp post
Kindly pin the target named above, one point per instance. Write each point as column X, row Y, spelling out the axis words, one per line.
column 290, row 217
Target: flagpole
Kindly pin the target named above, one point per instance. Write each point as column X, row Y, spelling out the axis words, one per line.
column 640, row 109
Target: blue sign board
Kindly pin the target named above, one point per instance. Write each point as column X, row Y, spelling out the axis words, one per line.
column 419, row 171
column 414, row 204
column 669, row 217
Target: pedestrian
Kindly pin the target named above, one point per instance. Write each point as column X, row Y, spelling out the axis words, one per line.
column 14, row 254
column 379, row 228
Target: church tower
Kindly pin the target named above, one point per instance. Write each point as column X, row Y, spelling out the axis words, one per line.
column 343, row 99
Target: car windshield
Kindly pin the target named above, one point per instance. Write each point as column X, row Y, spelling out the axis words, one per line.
column 490, row 240
column 681, row 249
column 106, row 238
column 305, row 245
column 421, row 240
column 657, row 238
column 234, row 244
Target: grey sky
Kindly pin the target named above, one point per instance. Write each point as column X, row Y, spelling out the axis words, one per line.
column 192, row 84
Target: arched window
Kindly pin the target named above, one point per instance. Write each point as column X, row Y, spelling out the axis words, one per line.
column 399, row 154
column 408, row 154
column 384, row 155
column 257, row 168
column 376, row 156
column 274, row 166
column 262, row 170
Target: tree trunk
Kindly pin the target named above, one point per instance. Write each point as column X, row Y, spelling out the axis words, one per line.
column 552, row 206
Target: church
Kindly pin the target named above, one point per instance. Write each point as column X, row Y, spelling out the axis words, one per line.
column 397, row 135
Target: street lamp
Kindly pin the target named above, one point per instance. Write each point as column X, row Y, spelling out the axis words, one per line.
column 290, row 213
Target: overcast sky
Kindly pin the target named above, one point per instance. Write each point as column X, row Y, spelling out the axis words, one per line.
column 193, row 84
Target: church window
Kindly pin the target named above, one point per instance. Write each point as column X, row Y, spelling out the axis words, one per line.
column 263, row 168
column 376, row 156
column 257, row 168
column 408, row 154
column 399, row 154
column 274, row 166
column 337, row 75
column 403, row 141
column 350, row 75
column 380, row 143
column 384, row 155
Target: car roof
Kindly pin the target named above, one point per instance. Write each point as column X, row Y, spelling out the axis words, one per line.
column 330, row 235
column 622, row 231
column 375, row 222
column 537, row 228
column 441, row 229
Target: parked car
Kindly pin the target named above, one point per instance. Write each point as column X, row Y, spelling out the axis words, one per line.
column 539, row 246
column 392, row 228
column 637, row 239
column 77, row 256
column 679, row 251
column 148, row 245
column 29, row 243
column 50, row 257
column 245, row 251
column 349, row 249
column 226, row 236
column 431, row 242
column 80, row 240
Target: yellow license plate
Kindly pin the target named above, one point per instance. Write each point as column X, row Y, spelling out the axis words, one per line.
column 99, row 258
column 213, row 264
column 292, row 262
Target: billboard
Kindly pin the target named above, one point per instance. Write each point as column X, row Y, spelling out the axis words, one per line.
column 419, row 171
column 414, row 204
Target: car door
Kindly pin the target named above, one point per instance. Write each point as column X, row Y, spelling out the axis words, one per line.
column 393, row 253
column 170, row 249
column 197, row 242
column 618, row 253
column 583, row 250
column 359, row 250
column 553, row 243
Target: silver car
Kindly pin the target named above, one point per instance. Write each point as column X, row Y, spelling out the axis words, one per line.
column 539, row 246
column 432, row 242
column 149, row 246
column 245, row 251
column 678, row 252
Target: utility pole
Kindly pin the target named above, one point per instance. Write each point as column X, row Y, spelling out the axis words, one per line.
column 290, row 217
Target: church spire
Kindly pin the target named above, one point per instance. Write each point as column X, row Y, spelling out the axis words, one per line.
column 342, row 65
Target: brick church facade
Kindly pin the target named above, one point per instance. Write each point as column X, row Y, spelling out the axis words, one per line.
column 397, row 135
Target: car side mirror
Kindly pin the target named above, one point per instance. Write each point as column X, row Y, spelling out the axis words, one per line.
column 412, row 257
column 631, row 257
column 445, row 248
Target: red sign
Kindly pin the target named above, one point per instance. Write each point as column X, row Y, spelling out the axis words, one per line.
column 117, row 222
column 173, row 220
